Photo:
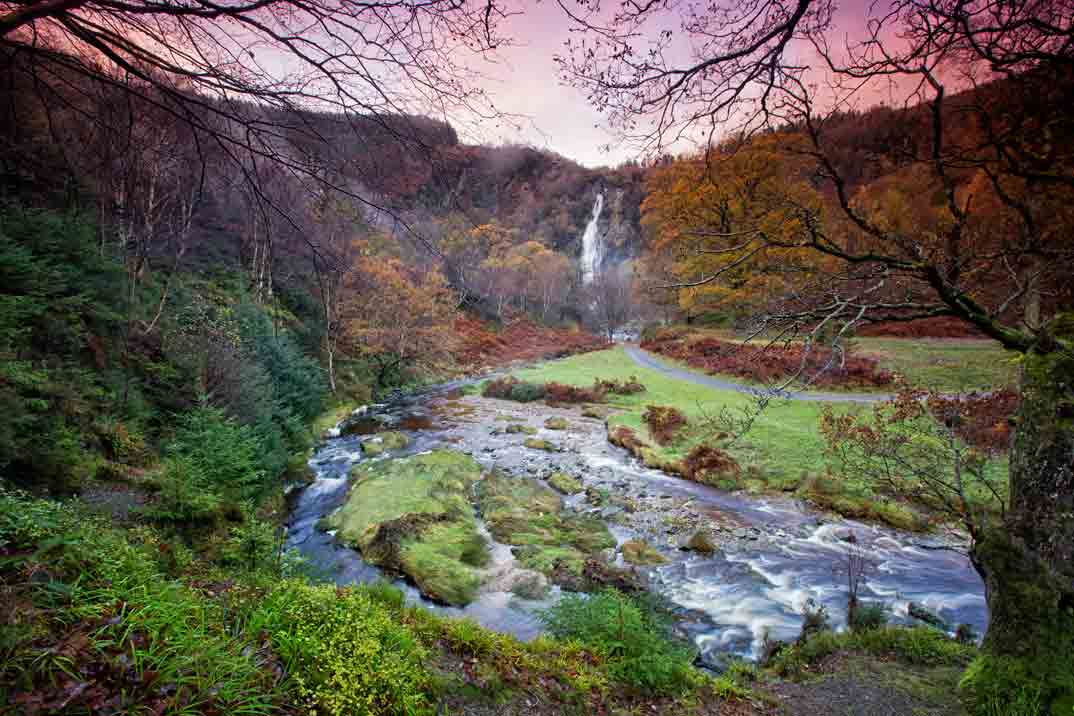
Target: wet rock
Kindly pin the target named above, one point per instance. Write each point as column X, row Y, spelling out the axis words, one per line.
column 594, row 412
column 923, row 614
column 385, row 441
column 637, row 552
column 539, row 444
column 564, row 483
column 596, row 575
column 556, row 423
column 740, row 533
column 701, row 542
column 520, row 429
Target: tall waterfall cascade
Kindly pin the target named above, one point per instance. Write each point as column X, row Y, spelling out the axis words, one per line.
column 593, row 243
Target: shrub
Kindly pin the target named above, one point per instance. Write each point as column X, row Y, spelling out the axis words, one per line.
column 709, row 465
column 868, row 615
column 347, row 653
column 155, row 643
column 663, row 421
column 629, row 386
column 511, row 388
column 633, row 636
column 766, row 364
column 562, row 393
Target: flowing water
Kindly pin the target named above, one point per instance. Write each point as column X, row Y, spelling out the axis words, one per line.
column 593, row 243
column 774, row 554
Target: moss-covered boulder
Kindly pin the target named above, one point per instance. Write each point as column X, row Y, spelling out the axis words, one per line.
column 382, row 442
column 556, row 423
column 520, row 429
column 564, row 483
column 637, row 552
column 539, row 444
column 592, row 411
column 411, row 515
column 700, row 541
column 530, row 516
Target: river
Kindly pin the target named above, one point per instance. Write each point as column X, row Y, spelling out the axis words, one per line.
column 774, row 553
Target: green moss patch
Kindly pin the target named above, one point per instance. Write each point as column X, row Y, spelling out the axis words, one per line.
column 637, row 552
column 411, row 515
column 539, row 444
column 564, row 483
column 530, row 516
column 520, row 429
column 383, row 442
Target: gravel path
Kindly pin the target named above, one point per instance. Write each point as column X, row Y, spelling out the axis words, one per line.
column 648, row 360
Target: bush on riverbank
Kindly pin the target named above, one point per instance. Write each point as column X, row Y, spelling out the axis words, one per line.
column 632, row 636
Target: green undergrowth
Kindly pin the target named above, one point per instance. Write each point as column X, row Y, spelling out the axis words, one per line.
column 105, row 620
column 529, row 516
column 413, row 515
column 914, row 645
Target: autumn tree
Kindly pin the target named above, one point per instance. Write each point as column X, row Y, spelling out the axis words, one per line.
column 1001, row 265
column 700, row 210
column 395, row 318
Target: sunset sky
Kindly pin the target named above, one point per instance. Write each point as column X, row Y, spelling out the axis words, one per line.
column 558, row 117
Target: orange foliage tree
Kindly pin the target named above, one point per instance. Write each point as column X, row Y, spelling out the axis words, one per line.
column 749, row 204
column 397, row 318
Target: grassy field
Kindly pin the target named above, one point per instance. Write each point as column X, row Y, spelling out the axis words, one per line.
column 782, row 452
column 784, row 441
column 947, row 364
column 944, row 364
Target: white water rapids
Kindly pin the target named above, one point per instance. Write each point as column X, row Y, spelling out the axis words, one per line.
column 593, row 243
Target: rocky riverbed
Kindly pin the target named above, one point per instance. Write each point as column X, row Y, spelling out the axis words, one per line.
column 740, row 569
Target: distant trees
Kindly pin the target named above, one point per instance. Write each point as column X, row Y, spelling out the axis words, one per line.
column 966, row 214
column 612, row 301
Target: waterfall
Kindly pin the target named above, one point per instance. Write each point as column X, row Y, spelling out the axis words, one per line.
column 592, row 243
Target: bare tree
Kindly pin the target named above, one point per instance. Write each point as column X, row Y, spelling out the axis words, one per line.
column 611, row 296
column 995, row 254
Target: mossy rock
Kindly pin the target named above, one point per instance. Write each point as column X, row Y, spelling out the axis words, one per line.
column 382, row 442
column 556, row 423
column 412, row 515
column 529, row 516
column 520, row 429
column 701, row 541
column 539, row 444
column 653, row 460
column 565, row 483
column 637, row 552
column 531, row 585
column 591, row 411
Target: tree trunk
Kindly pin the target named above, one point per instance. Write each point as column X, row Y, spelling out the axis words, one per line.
column 1028, row 562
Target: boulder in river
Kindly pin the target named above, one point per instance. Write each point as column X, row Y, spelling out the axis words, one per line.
column 519, row 428
column 529, row 516
column 556, row 423
column 637, row 552
column 539, row 444
column 700, row 541
column 383, row 442
column 562, row 482
column 411, row 515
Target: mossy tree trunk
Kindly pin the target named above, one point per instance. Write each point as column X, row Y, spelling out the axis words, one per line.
column 1027, row 561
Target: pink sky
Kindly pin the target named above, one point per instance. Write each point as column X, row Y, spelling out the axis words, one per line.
column 525, row 82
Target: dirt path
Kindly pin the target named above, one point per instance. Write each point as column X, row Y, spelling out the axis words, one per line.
column 648, row 360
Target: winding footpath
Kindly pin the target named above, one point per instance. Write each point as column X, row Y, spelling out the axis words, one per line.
column 649, row 361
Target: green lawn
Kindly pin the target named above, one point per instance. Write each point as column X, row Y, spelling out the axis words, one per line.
column 947, row 364
column 783, row 443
